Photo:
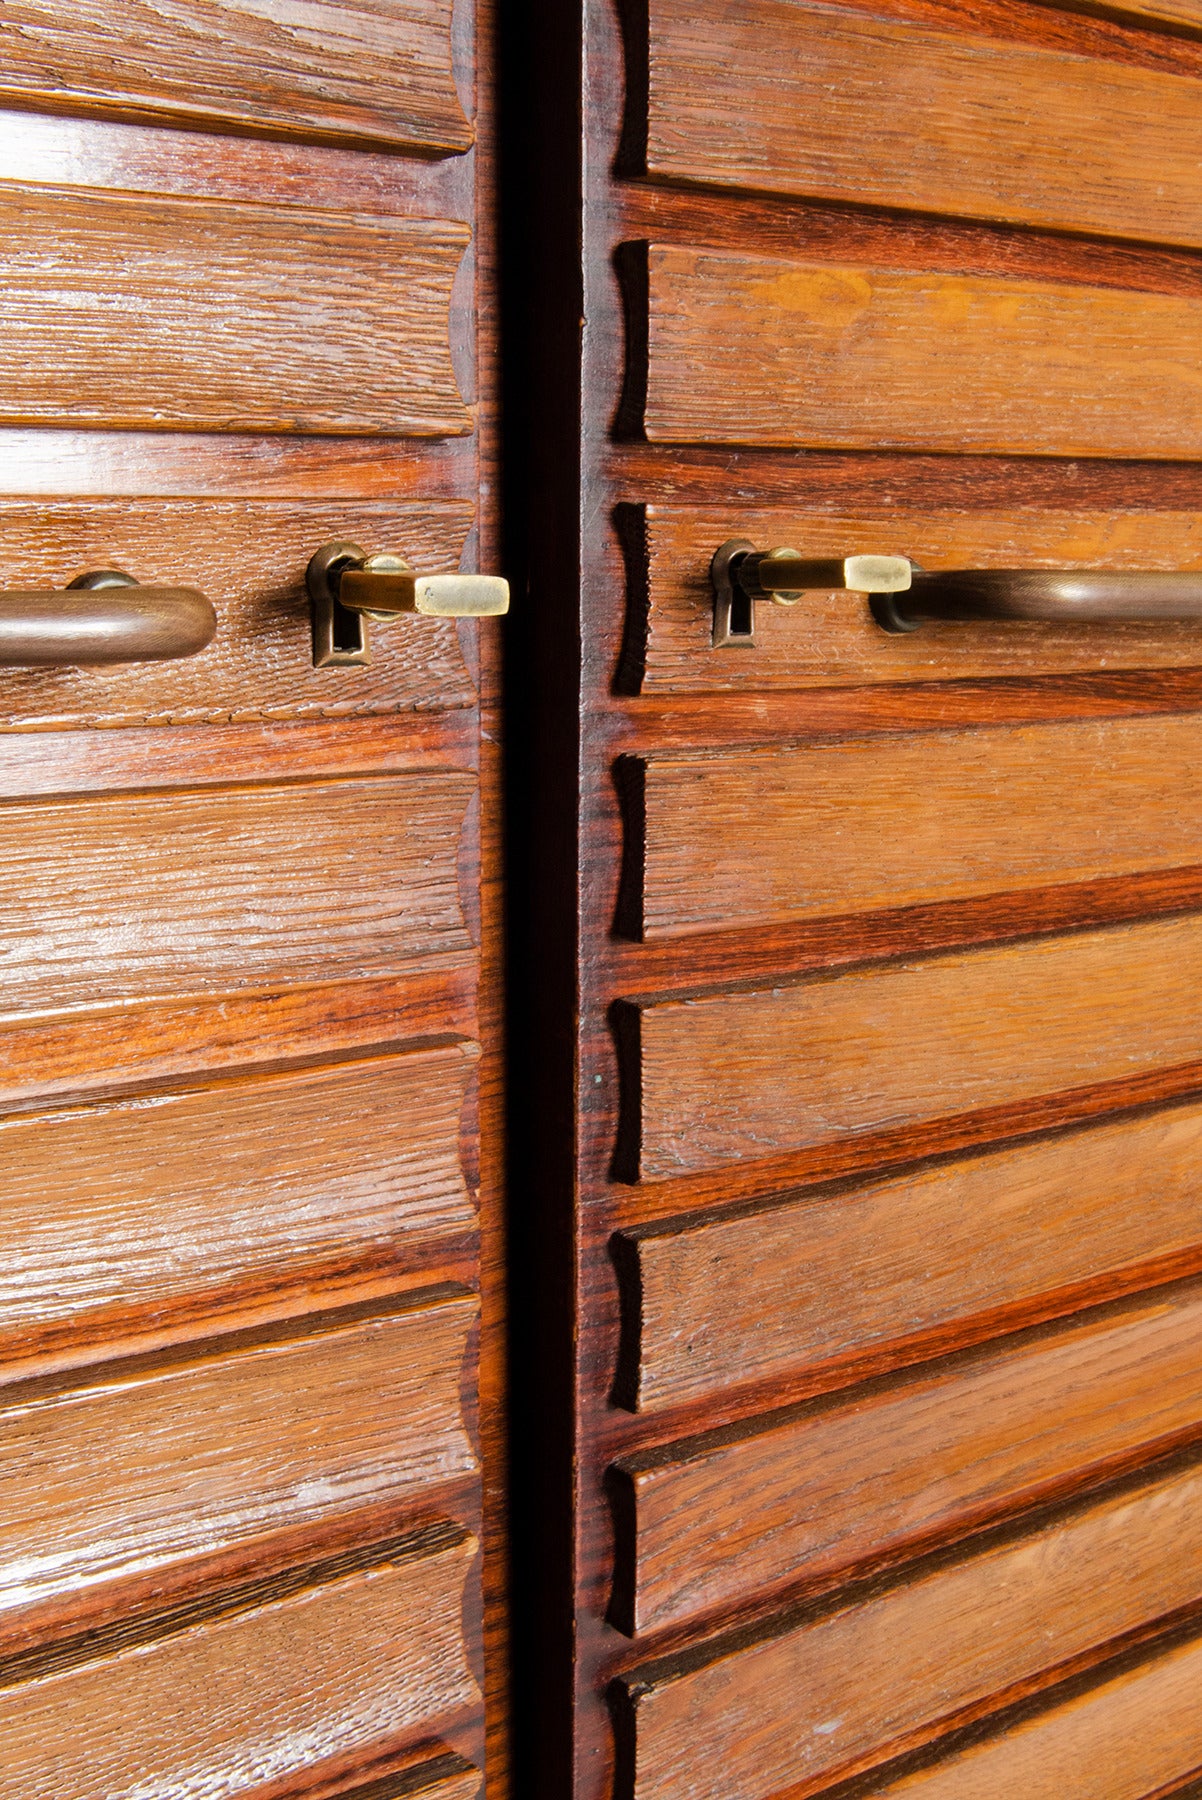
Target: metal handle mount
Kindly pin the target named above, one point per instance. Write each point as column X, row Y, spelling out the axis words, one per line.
column 742, row 575
column 102, row 617
column 348, row 587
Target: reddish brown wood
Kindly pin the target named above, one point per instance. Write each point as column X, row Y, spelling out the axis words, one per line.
column 833, row 1276
column 830, row 640
column 848, row 1685
column 346, row 72
column 861, row 1478
column 823, row 1059
column 750, row 350
column 830, row 101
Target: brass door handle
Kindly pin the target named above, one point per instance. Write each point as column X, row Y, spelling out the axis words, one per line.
column 1058, row 596
column 103, row 617
column 348, row 586
column 741, row 575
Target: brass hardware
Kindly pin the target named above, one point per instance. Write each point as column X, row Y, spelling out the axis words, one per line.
column 347, row 586
column 1058, row 596
column 742, row 575
column 67, row 627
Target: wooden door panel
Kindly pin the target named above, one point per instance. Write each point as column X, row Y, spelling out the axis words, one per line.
column 831, row 640
column 249, row 557
column 865, row 1477
column 841, row 827
column 363, row 74
column 826, row 1690
column 902, row 1043
column 243, row 1685
column 1007, row 131
column 116, row 311
column 759, row 350
column 133, row 1216
column 880, row 1270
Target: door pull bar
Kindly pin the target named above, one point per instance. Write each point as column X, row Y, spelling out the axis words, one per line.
column 1054, row 596
column 101, row 618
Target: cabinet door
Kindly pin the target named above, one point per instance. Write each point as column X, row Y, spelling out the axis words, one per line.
column 867, row 955
column 246, row 933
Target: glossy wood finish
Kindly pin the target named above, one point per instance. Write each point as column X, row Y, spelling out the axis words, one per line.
column 832, row 640
column 249, row 557
column 114, row 312
column 231, row 1192
column 901, row 1464
column 848, row 825
column 1126, row 1739
column 830, row 1277
column 358, row 73
column 774, row 96
column 759, row 350
column 829, row 1690
column 335, row 1655
column 905, row 1042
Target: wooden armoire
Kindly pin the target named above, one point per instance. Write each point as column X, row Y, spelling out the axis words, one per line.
column 604, row 1204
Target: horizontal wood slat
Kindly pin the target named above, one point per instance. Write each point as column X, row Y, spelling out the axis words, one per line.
column 185, row 315
column 760, row 351
column 781, row 97
column 158, row 1460
column 377, row 75
column 249, row 557
column 120, row 1214
column 223, row 1703
column 831, row 640
column 176, row 893
column 739, row 838
column 747, row 1721
column 719, row 1301
column 900, row 1463
column 814, row 1061
column 1125, row 1739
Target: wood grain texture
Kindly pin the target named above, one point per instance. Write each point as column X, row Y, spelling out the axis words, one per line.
column 792, row 98
column 155, row 1460
column 241, row 1698
column 832, row 640
column 754, row 1295
column 857, row 1477
column 816, row 1060
column 840, row 1688
column 158, row 894
column 1128, row 1738
column 1173, row 12
column 763, row 351
column 377, row 74
column 796, row 832
column 249, row 557
column 172, row 1200
column 184, row 315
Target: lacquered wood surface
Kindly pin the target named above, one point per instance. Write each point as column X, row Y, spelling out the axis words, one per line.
column 249, row 557
column 850, row 1684
column 903, row 1463
column 828, row 101
column 227, row 1192
column 339, row 1657
column 851, row 824
column 826, row 1278
column 381, row 75
column 759, row 350
column 115, row 312
column 1129, row 1738
column 868, row 1049
column 832, row 640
